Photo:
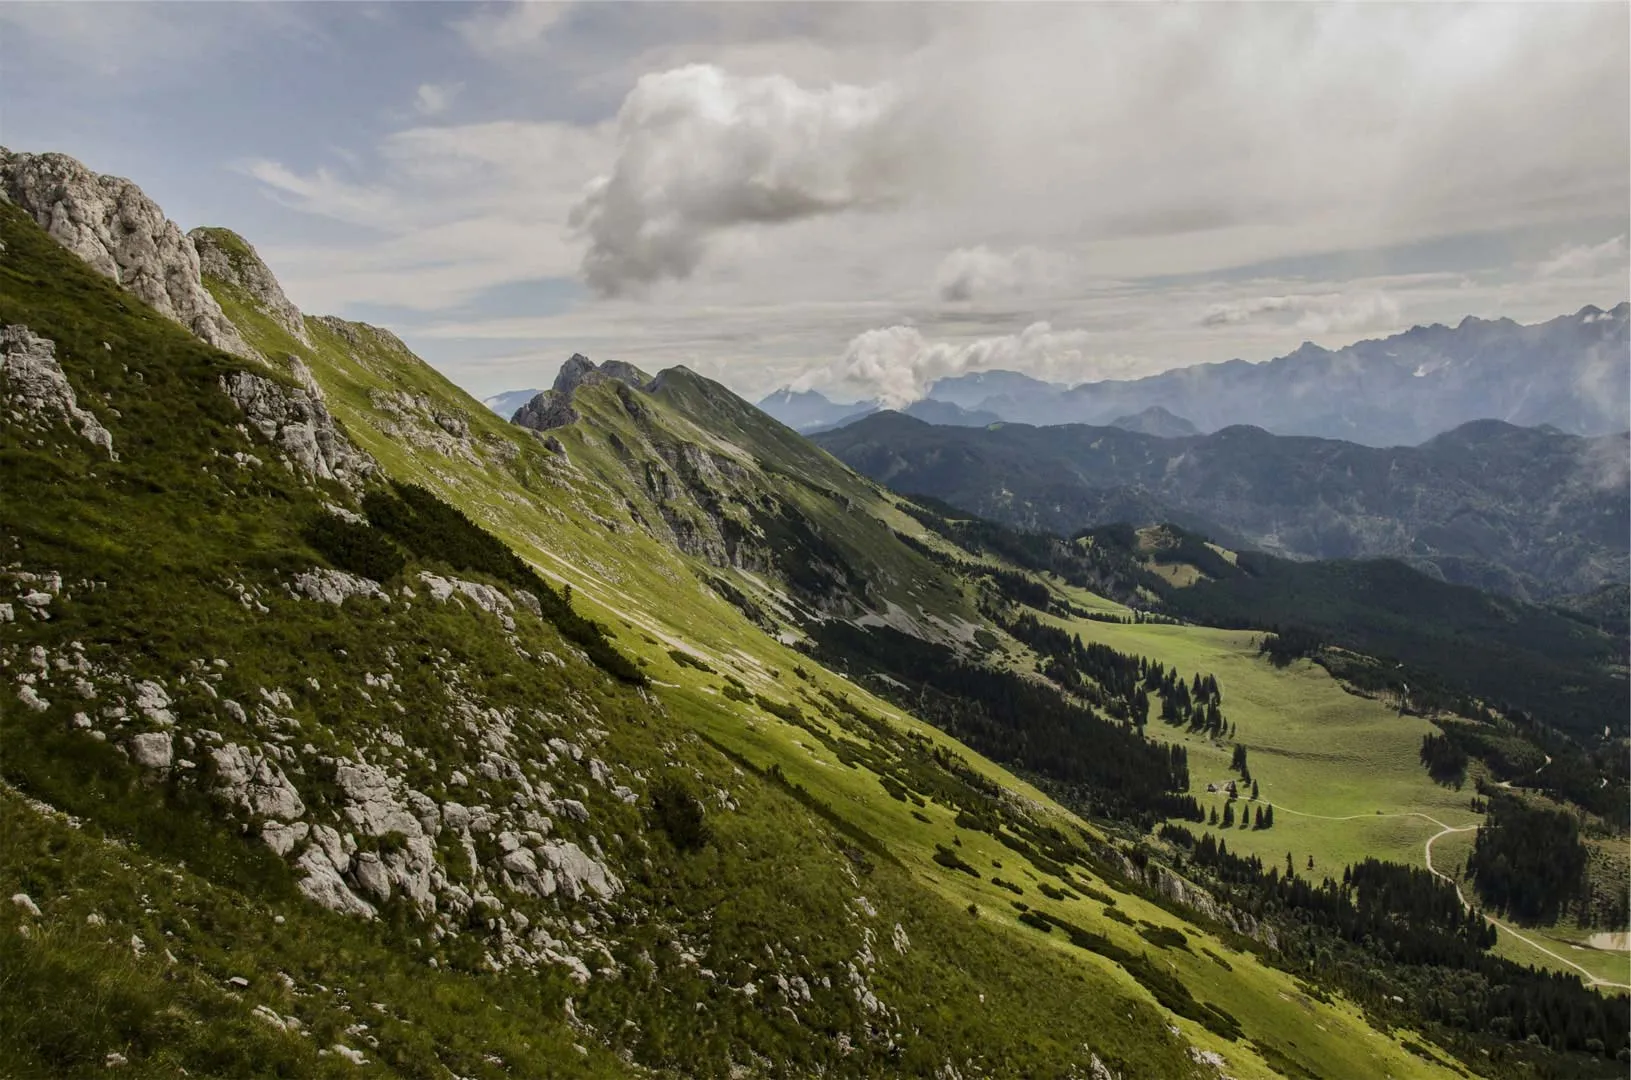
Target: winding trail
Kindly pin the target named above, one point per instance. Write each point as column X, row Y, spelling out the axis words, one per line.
column 1427, row 855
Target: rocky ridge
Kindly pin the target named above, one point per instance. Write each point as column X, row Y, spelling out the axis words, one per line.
column 122, row 234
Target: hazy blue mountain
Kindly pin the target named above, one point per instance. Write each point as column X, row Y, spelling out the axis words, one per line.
column 1532, row 512
column 995, row 390
column 1156, row 421
column 931, row 411
column 811, row 410
column 1570, row 372
column 505, row 404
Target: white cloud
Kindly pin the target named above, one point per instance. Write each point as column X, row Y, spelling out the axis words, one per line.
column 458, row 209
column 897, row 365
column 1585, row 260
column 701, row 151
column 434, row 99
column 979, row 273
column 1312, row 313
column 511, row 29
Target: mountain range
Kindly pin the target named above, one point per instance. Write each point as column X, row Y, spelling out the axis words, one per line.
column 351, row 727
column 1526, row 511
column 1571, row 373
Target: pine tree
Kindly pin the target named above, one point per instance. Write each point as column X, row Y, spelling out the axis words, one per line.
column 1268, row 818
column 1228, row 815
column 1213, row 818
column 1254, row 790
column 1257, row 818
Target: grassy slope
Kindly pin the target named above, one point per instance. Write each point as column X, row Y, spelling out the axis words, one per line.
column 647, row 591
column 164, row 526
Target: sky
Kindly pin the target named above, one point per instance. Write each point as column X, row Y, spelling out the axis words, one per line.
column 863, row 198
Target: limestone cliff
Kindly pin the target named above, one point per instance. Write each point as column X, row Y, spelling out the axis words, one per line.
column 120, row 232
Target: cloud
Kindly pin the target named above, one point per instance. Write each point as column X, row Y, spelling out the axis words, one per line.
column 511, row 30
column 1585, row 260
column 433, row 99
column 455, row 209
column 979, row 272
column 701, row 151
column 896, row 365
column 1311, row 313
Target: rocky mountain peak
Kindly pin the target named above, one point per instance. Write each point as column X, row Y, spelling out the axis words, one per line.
column 553, row 408
column 579, row 369
column 227, row 257
column 119, row 232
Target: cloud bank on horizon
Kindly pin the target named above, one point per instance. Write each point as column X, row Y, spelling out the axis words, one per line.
column 866, row 198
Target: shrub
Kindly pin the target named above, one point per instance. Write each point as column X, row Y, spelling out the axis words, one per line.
column 353, row 547
column 679, row 814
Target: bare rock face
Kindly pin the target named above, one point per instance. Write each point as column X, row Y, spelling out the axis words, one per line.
column 228, row 257
column 119, row 232
column 553, row 408
column 300, row 425
column 253, row 781
column 547, row 410
column 35, row 391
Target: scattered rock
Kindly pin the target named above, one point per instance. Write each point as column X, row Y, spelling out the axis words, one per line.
column 335, row 586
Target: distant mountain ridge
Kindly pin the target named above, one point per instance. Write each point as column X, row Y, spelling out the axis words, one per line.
column 811, row 410
column 1156, row 421
column 1570, row 372
column 1532, row 512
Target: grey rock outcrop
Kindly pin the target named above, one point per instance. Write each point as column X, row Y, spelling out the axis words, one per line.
column 553, row 408
column 300, row 425
column 229, row 258
column 255, row 783
column 152, row 750
column 121, row 233
column 34, row 389
column 335, row 586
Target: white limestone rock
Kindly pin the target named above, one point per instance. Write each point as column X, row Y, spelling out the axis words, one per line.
column 491, row 600
column 152, row 750
column 576, row 873
column 253, row 781
column 335, row 586
column 300, row 425
column 374, row 806
column 120, row 233
column 33, row 387
column 153, row 702
column 282, row 838
column 323, row 884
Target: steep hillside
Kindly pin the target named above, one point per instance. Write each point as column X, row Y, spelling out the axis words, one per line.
column 351, row 728
column 1526, row 511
